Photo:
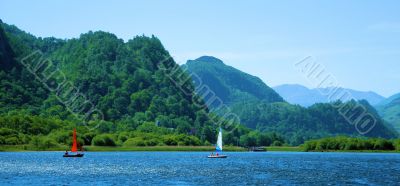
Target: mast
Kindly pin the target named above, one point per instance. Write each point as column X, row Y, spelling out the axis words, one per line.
column 74, row 143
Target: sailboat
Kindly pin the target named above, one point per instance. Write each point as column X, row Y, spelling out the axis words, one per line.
column 218, row 147
column 74, row 148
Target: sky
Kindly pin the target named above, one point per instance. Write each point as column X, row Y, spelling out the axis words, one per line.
column 357, row 41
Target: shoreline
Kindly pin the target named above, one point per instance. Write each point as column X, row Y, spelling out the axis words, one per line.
column 27, row 148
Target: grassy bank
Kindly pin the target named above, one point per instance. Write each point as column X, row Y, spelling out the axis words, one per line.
column 301, row 149
column 164, row 148
column 360, row 151
column 350, row 144
column 17, row 148
column 21, row 148
column 285, row 149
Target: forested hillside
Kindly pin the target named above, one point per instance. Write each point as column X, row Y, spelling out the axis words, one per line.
column 266, row 111
column 229, row 84
column 139, row 103
column 298, row 124
column 389, row 109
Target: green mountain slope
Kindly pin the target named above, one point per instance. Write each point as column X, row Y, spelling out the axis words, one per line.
column 231, row 85
column 112, row 74
column 298, row 124
column 121, row 79
column 128, row 83
column 266, row 110
column 389, row 109
column 17, row 90
column 139, row 102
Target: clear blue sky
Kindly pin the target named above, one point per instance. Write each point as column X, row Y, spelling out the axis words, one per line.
column 357, row 41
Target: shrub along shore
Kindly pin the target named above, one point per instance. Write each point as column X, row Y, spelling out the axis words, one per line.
column 333, row 144
column 342, row 143
column 17, row 148
column 21, row 148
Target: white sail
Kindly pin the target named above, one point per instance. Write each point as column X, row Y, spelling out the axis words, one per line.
column 219, row 141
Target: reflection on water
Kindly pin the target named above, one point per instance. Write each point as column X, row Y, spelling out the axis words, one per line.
column 183, row 168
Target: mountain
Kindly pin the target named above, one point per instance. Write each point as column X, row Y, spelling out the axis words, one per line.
column 389, row 100
column 113, row 92
column 389, row 109
column 259, row 107
column 134, row 94
column 298, row 94
column 17, row 88
column 229, row 84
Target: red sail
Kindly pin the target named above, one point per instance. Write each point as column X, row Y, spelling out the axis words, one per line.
column 74, row 143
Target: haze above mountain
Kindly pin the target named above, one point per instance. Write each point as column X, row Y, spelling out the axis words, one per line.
column 301, row 95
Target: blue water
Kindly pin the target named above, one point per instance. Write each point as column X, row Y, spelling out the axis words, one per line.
column 186, row 168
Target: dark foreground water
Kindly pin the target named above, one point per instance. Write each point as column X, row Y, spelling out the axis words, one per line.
column 185, row 168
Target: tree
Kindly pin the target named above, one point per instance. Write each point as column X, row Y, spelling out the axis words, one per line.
column 103, row 140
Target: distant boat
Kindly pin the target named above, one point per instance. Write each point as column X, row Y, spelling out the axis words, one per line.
column 258, row 149
column 218, row 147
column 74, row 148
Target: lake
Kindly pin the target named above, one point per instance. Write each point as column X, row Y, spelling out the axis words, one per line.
column 193, row 168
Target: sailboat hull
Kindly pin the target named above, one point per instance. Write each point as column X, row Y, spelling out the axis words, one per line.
column 219, row 156
column 73, row 155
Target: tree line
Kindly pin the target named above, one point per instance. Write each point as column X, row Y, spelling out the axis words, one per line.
column 348, row 143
